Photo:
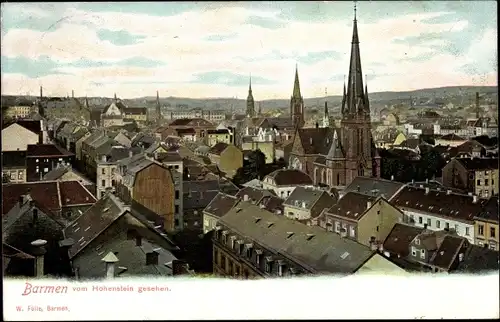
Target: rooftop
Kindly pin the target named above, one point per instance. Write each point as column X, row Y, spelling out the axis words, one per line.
column 289, row 177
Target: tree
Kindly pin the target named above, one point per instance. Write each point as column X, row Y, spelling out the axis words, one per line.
column 253, row 168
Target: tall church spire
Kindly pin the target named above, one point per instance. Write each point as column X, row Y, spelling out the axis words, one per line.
column 356, row 103
column 158, row 106
column 326, row 116
column 297, row 102
column 250, row 100
column 296, row 84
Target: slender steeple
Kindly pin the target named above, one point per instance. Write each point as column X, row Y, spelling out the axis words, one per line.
column 260, row 109
column 296, row 84
column 355, row 105
column 250, row 100
column 41, row 92
column 326, row 116
column 297, row 102
column 115, row 98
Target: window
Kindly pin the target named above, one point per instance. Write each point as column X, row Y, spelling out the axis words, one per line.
column 429, row 222
column 438, row 224
column 20, row 175
column 113, row 182
column 422, row 253
column 12, row 176
column 485, row 182
column 176, row 209
column 412, row 218
column 492, row 232
column 113, row 171
column 478, row 182
column 377, row 228
column 413, row 251
column 37, row 160
column 480, row 230
column 353, row 231
column 103, row 183
column 176, row 194
column 492, row 182
column 420, row 220
column 103, row 171
column 447, row 225
column 337, row 227
column 456, row 227
column 417, row 241
column 467, row 232
column 176, row 222
column 45, row 169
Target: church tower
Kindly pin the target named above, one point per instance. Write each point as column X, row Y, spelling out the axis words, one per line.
column 250, row 102
column 360, row 153
column 326, row 116
column 297, row 103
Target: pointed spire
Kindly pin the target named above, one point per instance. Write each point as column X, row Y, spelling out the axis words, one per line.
column 115, row 97
column 250, row 83
column 296, row 84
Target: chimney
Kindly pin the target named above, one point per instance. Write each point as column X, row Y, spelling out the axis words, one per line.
column 138, row 241
column 72, row 94
column 358, row 189
column 245, row 197
column 475, row 199
column 311, row 141
column 103, row 158
column 343, row 233
column 470, row 194
column 110, row 259
column 152, row 258
column 448, row 192
column 130, row 153
column 179, row 267
column 39, row 252
column 412, row 181
column 427, row 190
column 392, row 178
column 368, row 204
column 426, row 180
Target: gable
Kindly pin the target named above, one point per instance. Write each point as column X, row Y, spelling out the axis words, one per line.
column 16, row 138
column 113, row 110
column 297, row 144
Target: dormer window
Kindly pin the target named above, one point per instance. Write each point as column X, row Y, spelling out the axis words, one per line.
column 417, row 241
column 281, row 265
column 224, row 237
column 258, row 255
column 268, row 264
column 249, row 251
column 232, row 239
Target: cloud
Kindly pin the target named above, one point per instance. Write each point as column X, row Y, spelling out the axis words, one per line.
column 213, row 48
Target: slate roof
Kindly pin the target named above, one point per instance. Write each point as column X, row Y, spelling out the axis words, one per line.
column 479, row 259
column 374, row 187
column 198, row 194
column 490, row 211
column 272, row 204
column 19, row 210
column 302, row 196
column 187, row 131
column 218, row 148
column 12, row 252
column 452, row 137
column 33, row 126
column 399, row 239
column 315, row 249
column 314, row 140
column 352, row 205
column 55, row 174
column 254, row 195
column 48, row 194
column 221, row 204
column 454, row 206
column 447, row 252
column 46, row 150
column 290, row 177
column 479, row 164
column 13, row 159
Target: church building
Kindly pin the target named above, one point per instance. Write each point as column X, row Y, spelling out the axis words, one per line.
column 335, row 156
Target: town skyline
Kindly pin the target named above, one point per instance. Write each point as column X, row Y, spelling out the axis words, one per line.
column 432, row 45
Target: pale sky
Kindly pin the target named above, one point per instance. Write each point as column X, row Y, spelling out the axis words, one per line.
column 209, row 49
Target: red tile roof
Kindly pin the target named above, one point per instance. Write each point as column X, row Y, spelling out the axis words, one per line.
column 73, row 193
column 46, row 150
column 51, row 195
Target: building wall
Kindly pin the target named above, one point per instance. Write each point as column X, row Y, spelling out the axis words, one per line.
column 281, row 191
column 78, row 146
column 298, row 213
column 463, row 229
column 486, row 183
column 456, row 176
column 213, row 139
column 231, row 159
column 378, row 222
column 399, row 139
column 17, row 138
column 487, row 233
column 72, row 176
column 227, row 264
column 37, row 167
column 15, row 175
column 18, row 111
column 106, row 178
column 154, row 189
column 265, row 147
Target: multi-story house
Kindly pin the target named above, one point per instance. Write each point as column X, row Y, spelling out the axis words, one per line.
column 486, row 225
column 107, row 165
column 251, row 242
column 19, row 110
column 439, row 210
column 365, row 219
column 211, row 116
column 219, row 135
column 199, row 125
column 475, row 175
column 14, row 166
column 419, row 249
column 217, row 208
column 42, row 158
column 306, row 204
column 227, row 157
column 149, row 187
column 284, row 181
